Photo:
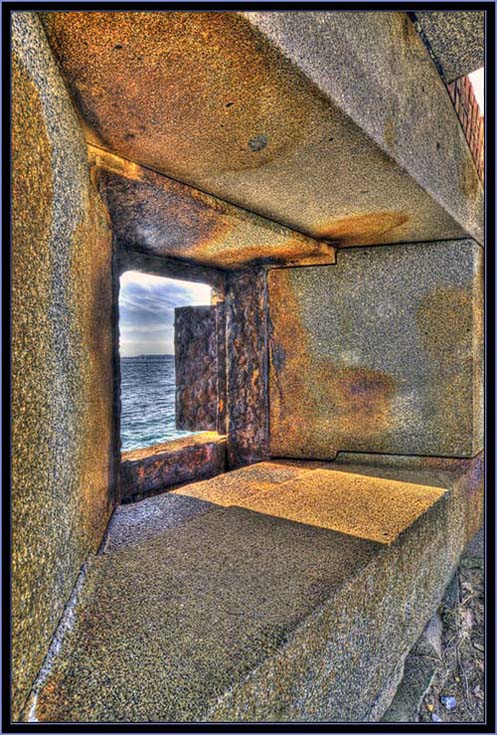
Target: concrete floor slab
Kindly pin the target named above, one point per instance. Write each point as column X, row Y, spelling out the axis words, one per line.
column 170, row 624
column 239, row 615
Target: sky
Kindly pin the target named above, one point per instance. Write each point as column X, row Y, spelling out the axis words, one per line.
column 478, row 82
column 146, row 311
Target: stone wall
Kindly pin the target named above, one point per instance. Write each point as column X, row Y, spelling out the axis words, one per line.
column 196, row 360
column 467, row 109
column 61, row 353
column 246, row 367
column 381, row 352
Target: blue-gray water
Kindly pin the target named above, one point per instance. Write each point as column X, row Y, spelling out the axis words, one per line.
column 147, row 401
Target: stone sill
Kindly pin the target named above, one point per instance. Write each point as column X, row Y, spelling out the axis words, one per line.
column 162, row 466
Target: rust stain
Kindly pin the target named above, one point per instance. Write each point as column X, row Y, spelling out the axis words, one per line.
column 49, row 698
column 92, row 302
column 362, row 229
column 154, row 213
column 389, row 133
column 162, row 221
column 141, row 79
column 340, row 405
column 363, row 400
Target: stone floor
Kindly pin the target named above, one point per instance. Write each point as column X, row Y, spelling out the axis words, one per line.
column 206, row 600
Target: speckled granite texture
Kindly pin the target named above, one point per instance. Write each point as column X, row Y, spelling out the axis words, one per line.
column 382, row 352
column 229, row 614
column 339, row 127
column 375, row 66
column 456, row 39
column 61, row 353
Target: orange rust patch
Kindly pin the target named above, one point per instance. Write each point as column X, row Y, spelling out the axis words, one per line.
column 141, row 79
column 363, row 400
column 49, row 698
column 338, row 406
column 362, row 229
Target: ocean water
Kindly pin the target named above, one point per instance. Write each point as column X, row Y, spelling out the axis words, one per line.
column 147, row 401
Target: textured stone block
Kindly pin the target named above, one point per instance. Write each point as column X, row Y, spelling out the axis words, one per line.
column 166, row 218
column 156, row 468
column 456, row 39
column 229, row 614
column 340, row 127
column 196, row 360
column 381, row 352
column 62, row 380
column 246, row 349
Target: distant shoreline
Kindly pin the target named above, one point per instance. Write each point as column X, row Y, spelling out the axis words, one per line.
column 144, row 357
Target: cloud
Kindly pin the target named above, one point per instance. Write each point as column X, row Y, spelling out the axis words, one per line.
column 146, row 311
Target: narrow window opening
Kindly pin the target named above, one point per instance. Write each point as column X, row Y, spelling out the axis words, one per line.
column 146, row 347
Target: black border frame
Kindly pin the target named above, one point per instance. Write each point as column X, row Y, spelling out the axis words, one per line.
column 488, row 727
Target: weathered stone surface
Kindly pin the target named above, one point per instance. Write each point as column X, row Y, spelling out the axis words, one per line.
column 430, row 641
column 377, row 509
column 156, row 468
column 234, row 615
column 221, row 364
column 196, row 360
column 233, row 488
column 456, row 39
column 465, row 476
column 156, row 215
column 381, row 352
column 327, row 129
column 476, row 547
column 246, row 373
column 134, row 522
column 375, row 67
column 62, row 383
column 418, row 676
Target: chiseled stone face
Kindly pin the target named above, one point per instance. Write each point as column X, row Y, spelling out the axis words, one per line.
column 162, row 217
column 323, row 134
column 381, row 352
column 61, row 353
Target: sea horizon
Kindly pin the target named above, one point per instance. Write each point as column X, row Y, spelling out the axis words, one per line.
column 148, row 355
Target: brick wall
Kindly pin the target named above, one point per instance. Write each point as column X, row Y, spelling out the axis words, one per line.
column 466, row 106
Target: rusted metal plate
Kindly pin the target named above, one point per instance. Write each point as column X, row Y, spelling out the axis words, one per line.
column 313, row 134
column 153, row 469
column 195, row 349
column 161, row 217
column 246, row 349
column 381, row 352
